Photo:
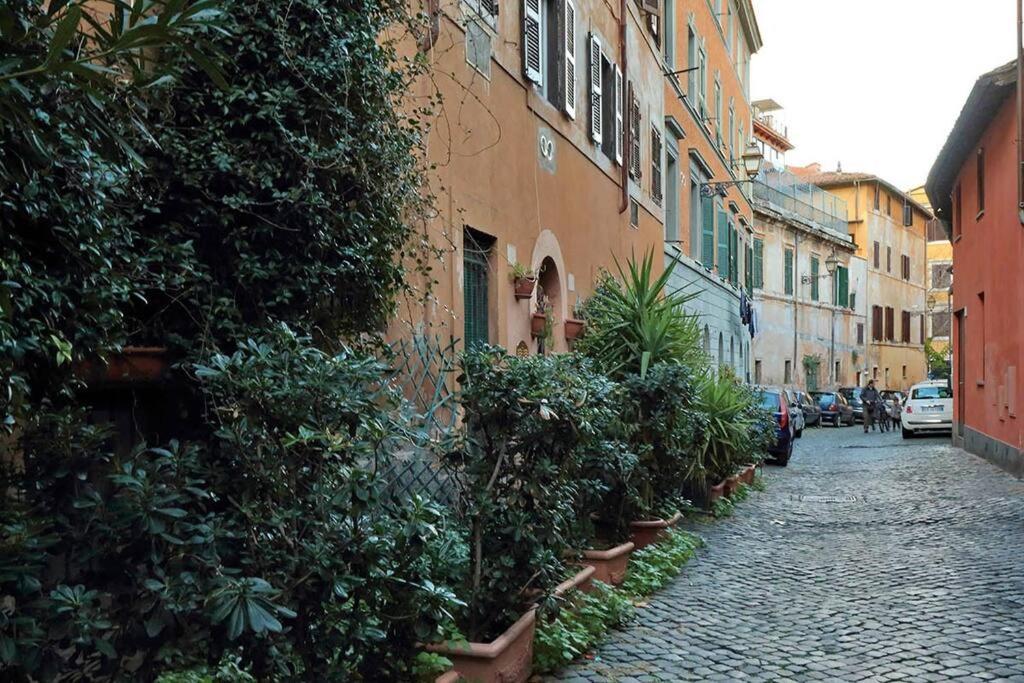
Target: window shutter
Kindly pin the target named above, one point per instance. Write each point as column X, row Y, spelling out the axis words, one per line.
column 531, row 41
column 759, row 263
column 815, row 291
column 595, row 88
column 748, row 268
column 723, row 244
column 656, row 180
column 634, row 136
column 877, row 331
column 619, row 96
column 708, row 236
column 843, row 286
column 908, row 215
column 489, row 12
column 570, row 59
column 789, row 272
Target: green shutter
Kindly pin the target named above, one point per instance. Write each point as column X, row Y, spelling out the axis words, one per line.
column 815, row 292
column 842, row 287
column 474, row 280
column 759, row 263
column 748, row 272
column 734, row 246
column 707, row 252
column 723, row 244
column 789, row 272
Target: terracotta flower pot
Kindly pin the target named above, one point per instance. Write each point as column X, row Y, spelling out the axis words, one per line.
column 450, row 677
column 525, row 286
column 715, row 492
column 581, row 581
column 506, row 659
column 731, row 484
column 134, row 365
column 646, row 532
column 748, row 474
column 538, row 322
column 574, row 328
column 609, row 565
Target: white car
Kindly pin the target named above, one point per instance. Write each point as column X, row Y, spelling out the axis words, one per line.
column 928, row 408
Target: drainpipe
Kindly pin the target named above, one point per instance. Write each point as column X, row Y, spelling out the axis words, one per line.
column 1020, row 109
column 796, row 306
column 626, row 140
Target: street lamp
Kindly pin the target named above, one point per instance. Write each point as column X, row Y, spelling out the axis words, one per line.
column 832, row 263
column 752, row 160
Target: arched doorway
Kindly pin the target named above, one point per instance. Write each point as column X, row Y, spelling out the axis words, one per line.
column 549, row 302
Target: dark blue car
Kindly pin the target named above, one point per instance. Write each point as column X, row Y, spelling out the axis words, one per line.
column 775, row 401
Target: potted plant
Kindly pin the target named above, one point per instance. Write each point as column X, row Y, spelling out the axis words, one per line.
column 649, row 531
column 576, row 325
column 131, row 366
column 524, row 280
column 517, row 456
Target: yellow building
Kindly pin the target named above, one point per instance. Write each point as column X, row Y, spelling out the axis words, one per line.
column 940, row 274
column 889, row 229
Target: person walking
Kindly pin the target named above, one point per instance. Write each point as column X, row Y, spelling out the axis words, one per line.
column 869, row 397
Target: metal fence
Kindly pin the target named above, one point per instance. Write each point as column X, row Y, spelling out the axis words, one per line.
column 787, row 192
column 424, row 368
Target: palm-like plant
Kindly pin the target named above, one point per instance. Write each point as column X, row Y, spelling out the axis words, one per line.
column 636, row 321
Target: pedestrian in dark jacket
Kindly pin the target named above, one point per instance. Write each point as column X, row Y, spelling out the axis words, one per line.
column 870, row 398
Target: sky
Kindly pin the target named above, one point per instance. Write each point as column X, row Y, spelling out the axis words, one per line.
column 876, row 85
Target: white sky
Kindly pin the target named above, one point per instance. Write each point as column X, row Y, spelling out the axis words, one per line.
column 876, row 84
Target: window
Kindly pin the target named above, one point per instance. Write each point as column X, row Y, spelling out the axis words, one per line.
column 728, row 131
column 940, row 324
column 758, row 263
column 702, row 84
column 696, row 212
column 890, row 323
column 788, row 273
column 905, row 267
column 815, row 290
column 478, row 47
column 691, row 62
column 748, row 267
column 981, row 180
column 981, row 334
column 908, row 214
column 718, row 109
column 905, row 325
column 878, row 197
column 610, row 120
column 878, row 252
column 707, row 250
column 874, row 373
column 671, row 194
column 837, row 372
column 935, row 231
column 787, row 372
column 888, row 204
column 853, row 300
column 723, row 242
column 888, row 259
column 877, row 326
column 476, row 248
column 595, row 63
column 860, row 333
column 757, row 372
column 549, row 50
column 904, row 372
column 668, row 47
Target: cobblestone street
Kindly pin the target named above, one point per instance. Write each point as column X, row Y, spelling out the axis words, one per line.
column 868, row 558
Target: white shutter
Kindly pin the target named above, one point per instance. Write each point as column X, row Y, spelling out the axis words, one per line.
column 489, row 11
column 531, row 41
column 570, row 59
column 652, row 7
column 595, row 89
column 619, row 94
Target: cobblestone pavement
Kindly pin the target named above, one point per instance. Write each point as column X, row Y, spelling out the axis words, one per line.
column 868, row 558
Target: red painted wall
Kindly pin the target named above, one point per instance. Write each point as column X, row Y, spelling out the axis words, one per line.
column 988, row 256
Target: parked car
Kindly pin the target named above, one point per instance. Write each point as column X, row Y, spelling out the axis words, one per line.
column 809, row 407
column 893, row 401
column 852, row 396
column 796, row 412
column 928, row 408
column 777, row 401
column 835, row 410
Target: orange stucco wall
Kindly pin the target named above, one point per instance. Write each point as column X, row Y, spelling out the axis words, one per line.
column 988, row 290
column 488, row 144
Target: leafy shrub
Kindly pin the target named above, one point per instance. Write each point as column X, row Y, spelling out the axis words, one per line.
column 581, row 623
column 528, row 422
column 651, row 568
column 735, row 430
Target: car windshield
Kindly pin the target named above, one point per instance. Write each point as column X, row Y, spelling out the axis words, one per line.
column 770, row 400
column 852, row 395
column 825, row 400
column 932, row 392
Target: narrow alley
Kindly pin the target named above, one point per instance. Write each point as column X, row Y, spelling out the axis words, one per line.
column 868, row 558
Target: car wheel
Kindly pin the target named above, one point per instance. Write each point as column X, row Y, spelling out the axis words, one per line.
column 799, row 433
column 784, row 458
column 907, row 434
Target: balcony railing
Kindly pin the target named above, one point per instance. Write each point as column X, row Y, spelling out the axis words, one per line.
column 789, row 194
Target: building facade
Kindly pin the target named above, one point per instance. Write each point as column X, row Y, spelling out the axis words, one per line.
column 706, row 54
column 806, row 277
column 547, row 152
column 976, row 190
column 889, row 228
column 940, row 280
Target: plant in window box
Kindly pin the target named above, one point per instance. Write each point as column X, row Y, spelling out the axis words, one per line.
column 524, row 279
